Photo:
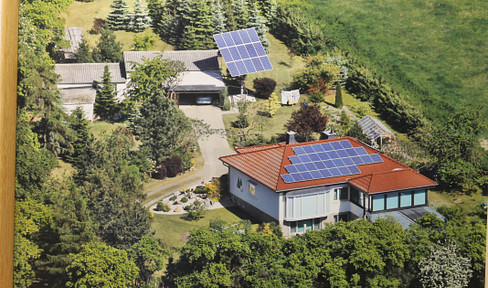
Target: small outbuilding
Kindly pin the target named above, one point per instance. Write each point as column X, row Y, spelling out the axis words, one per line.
column 376, row 131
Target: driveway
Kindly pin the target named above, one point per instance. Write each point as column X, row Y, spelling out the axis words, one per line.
column 212, row 148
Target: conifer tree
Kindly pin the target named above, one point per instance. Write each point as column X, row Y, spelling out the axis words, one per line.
column 118, row 18
column 219, row 18
column 241, row 14
column 268, row 9
column 108, row 49
column 105, row 105
column 83, row 54
column 259, row 23
column 140, row 19
column 199, row 28
column 338, row 97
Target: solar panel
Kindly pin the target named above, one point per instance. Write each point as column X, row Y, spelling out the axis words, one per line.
column 287, row 178
column 325, row 160
column 243, row 51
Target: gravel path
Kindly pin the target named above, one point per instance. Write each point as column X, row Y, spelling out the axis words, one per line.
column 212, row 148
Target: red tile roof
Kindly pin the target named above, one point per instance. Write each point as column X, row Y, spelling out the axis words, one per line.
column 391, row 181
column 266, row 163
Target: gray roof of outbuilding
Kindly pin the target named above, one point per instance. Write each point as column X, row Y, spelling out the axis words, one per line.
column 74, row 35
column 88, row 72
column 373, row 128
column 194, row 60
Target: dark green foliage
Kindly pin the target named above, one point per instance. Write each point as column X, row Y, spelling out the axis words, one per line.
column 173, row 165
column 160, row 206
column 118, row 18
column 33, row 164
column 200, row 190
column 83, row 54
column 99, row 265
column 71, row 227
column 108, row 50
column 105, row 106
column 82, row 139
column 357, row 132
column 184, row 200
column 162, row 128
column 297, row 31
column 263, row 87
column 160, row 172
column 113, row 185
column 338, row 97
column 199, row 28
column 307, row 120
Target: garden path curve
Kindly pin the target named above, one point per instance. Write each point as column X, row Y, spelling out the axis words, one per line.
column 212, row 147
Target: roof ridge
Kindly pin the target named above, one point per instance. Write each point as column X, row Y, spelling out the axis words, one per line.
column 264, row 149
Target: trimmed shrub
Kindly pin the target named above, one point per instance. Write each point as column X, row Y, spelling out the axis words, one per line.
column 160, row 206
column 263, row 87
column 184, row 200
column 160, row 171
column 173, row 165
column 200, row 190
column 172, row 198
column 176, row 203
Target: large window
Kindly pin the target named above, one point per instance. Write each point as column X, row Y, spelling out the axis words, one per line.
column 378, row 202
column 356, row 197
column 305, row 225
column 305, row 206
column 340, row 194
column 398, row 200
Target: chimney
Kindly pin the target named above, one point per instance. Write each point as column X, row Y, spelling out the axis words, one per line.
column 290, row 137
column 329, row 134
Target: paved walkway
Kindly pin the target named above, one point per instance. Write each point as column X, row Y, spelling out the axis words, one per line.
column 212, row 148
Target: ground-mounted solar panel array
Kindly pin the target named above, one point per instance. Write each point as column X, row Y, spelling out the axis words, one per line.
column 242, row 52
column 325, row 160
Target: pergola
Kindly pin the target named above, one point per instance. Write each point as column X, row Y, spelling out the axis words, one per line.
column 374, row 129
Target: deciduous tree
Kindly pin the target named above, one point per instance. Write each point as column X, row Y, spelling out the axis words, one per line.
column 307, row 120
column 99, row 265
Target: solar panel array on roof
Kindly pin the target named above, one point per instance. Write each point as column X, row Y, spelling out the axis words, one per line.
column 325, row 160
column 243, row 52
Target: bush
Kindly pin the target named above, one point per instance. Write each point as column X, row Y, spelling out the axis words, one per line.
column 225, row 95
column 98, row 25
column 195, row 211
column 317, row 97
column 172, row 198
column 263, row 87
column 241, row 122
column 200, row 190
column 176, row 203
column 173, row 165
column 160, row 206
column 184, row 200
column 160, row 171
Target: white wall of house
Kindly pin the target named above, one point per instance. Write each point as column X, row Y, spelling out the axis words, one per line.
column 87, row 109
column 254, row 193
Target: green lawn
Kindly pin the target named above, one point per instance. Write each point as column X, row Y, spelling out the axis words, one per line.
column 82, row 14
column 469, row 204
column 433, row 51
column 284, row 66
column 100, row 128
column 169, row 228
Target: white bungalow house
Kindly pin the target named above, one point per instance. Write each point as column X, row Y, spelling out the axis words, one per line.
column 301, row 186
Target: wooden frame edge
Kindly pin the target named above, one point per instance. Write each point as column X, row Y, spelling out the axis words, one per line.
column 9, row 19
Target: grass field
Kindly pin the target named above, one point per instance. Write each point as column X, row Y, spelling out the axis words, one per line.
column 169, row 228
column 100, row 128
column 82, row 14
column 434, row 51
